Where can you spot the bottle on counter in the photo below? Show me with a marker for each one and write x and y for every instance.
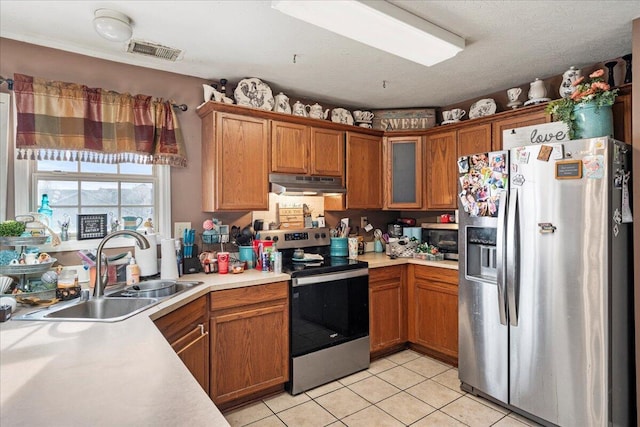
(44, 208)
(133, 272)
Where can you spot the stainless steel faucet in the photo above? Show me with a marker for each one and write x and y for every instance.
(98, 289)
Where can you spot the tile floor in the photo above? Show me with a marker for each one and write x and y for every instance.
(404, 389)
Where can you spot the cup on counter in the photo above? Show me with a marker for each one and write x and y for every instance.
(444, 218)
(353, 247)
(223, 262)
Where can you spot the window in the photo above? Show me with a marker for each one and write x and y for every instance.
(74, 187)
(126, 189)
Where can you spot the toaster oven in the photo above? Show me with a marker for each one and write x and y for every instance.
(444, 236)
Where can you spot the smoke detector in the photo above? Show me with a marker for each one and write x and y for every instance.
(151, 49)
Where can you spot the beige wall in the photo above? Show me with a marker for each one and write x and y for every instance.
(53, 64)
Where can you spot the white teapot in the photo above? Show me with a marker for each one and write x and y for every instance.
(299, 109)
(315, 111)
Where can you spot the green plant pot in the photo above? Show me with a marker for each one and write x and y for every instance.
(592, 121)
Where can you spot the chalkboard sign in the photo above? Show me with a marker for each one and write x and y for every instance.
(569, 169)
(93, 226)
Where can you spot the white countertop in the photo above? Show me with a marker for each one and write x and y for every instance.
(122, 373)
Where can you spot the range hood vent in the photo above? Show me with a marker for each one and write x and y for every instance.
(157, 51)
(303, 185)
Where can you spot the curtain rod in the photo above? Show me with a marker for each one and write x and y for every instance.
(182, 107)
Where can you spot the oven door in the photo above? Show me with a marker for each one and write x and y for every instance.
(328, 310)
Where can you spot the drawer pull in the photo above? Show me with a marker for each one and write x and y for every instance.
(201, 334)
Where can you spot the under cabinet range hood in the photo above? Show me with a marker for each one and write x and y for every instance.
(303, 185)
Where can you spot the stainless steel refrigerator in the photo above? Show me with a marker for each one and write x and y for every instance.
(545, 290)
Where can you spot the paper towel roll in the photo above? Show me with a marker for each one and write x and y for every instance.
(168, 262)
(147, 259)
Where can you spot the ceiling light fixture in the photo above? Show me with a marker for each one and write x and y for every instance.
(378, 24)
(111, 25)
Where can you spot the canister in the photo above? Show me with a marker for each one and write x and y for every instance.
(339, 246)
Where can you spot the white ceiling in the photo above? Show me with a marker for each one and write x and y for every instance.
(508, 43)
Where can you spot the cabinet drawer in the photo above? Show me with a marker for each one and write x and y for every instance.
(238, 297)
(385, 274)
(436, 274)
(175, 324)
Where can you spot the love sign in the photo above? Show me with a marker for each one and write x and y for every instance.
(546, 133)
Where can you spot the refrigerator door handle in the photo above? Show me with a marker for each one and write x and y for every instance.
(500, 257)
(512, 257)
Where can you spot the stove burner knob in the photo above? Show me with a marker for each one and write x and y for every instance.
(268, 238)
(275, 238)
(324, 235)
(317, 236)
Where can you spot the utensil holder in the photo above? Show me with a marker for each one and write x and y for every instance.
(339, 246)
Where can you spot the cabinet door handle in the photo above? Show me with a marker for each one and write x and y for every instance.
(202, 334)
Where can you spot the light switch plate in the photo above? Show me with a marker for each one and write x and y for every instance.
(178, 229)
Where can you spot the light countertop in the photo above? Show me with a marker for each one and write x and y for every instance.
(122, 373)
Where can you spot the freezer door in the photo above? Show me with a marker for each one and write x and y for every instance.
(483, 363)
(558, 351)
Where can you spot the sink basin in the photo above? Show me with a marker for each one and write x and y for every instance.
(153, 289)
(94, 310)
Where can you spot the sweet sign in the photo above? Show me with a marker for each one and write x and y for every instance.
(404, 119)
(546, 133)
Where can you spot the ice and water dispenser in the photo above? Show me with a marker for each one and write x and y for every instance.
(481, 257)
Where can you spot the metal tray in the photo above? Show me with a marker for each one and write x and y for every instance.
(27, 268)
(23, 241)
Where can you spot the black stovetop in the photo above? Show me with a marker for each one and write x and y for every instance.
(328, 265)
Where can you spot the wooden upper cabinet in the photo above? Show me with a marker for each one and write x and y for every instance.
(229, 143)
(364, 171)
(403, 172)
(442, 170)
(474, 139)
(327, 152)
(306, 150)
(535, 117)
(622, 117)
(289, 148)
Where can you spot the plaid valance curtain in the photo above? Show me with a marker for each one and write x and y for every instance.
(67, 121)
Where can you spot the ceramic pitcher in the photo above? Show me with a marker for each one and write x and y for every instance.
(537, 89)
(282, 104)
(132, 222)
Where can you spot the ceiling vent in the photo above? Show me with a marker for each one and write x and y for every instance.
(155, 50)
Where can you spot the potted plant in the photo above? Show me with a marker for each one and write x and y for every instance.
(587, 112)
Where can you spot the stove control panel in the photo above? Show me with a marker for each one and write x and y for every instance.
(304, 238)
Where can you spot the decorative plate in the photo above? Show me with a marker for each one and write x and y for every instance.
(254, 93)
(481, 108)
(340, 115)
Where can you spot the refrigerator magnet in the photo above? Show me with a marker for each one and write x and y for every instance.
(463, 164)
(558, 152)
(545, 153)
(568, 169)
(522, 155)
(593, 166)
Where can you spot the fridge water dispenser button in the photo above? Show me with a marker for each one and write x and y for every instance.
(546, 227)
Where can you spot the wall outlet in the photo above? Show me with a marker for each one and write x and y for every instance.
(363, 222)
(178, 229)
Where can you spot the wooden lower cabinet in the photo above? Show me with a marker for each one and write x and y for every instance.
(387, 309)
(433, 311)
(187, 331)
(249, 343)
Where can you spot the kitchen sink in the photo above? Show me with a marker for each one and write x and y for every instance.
(152, 289)
(93, 310)
(113, 307)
